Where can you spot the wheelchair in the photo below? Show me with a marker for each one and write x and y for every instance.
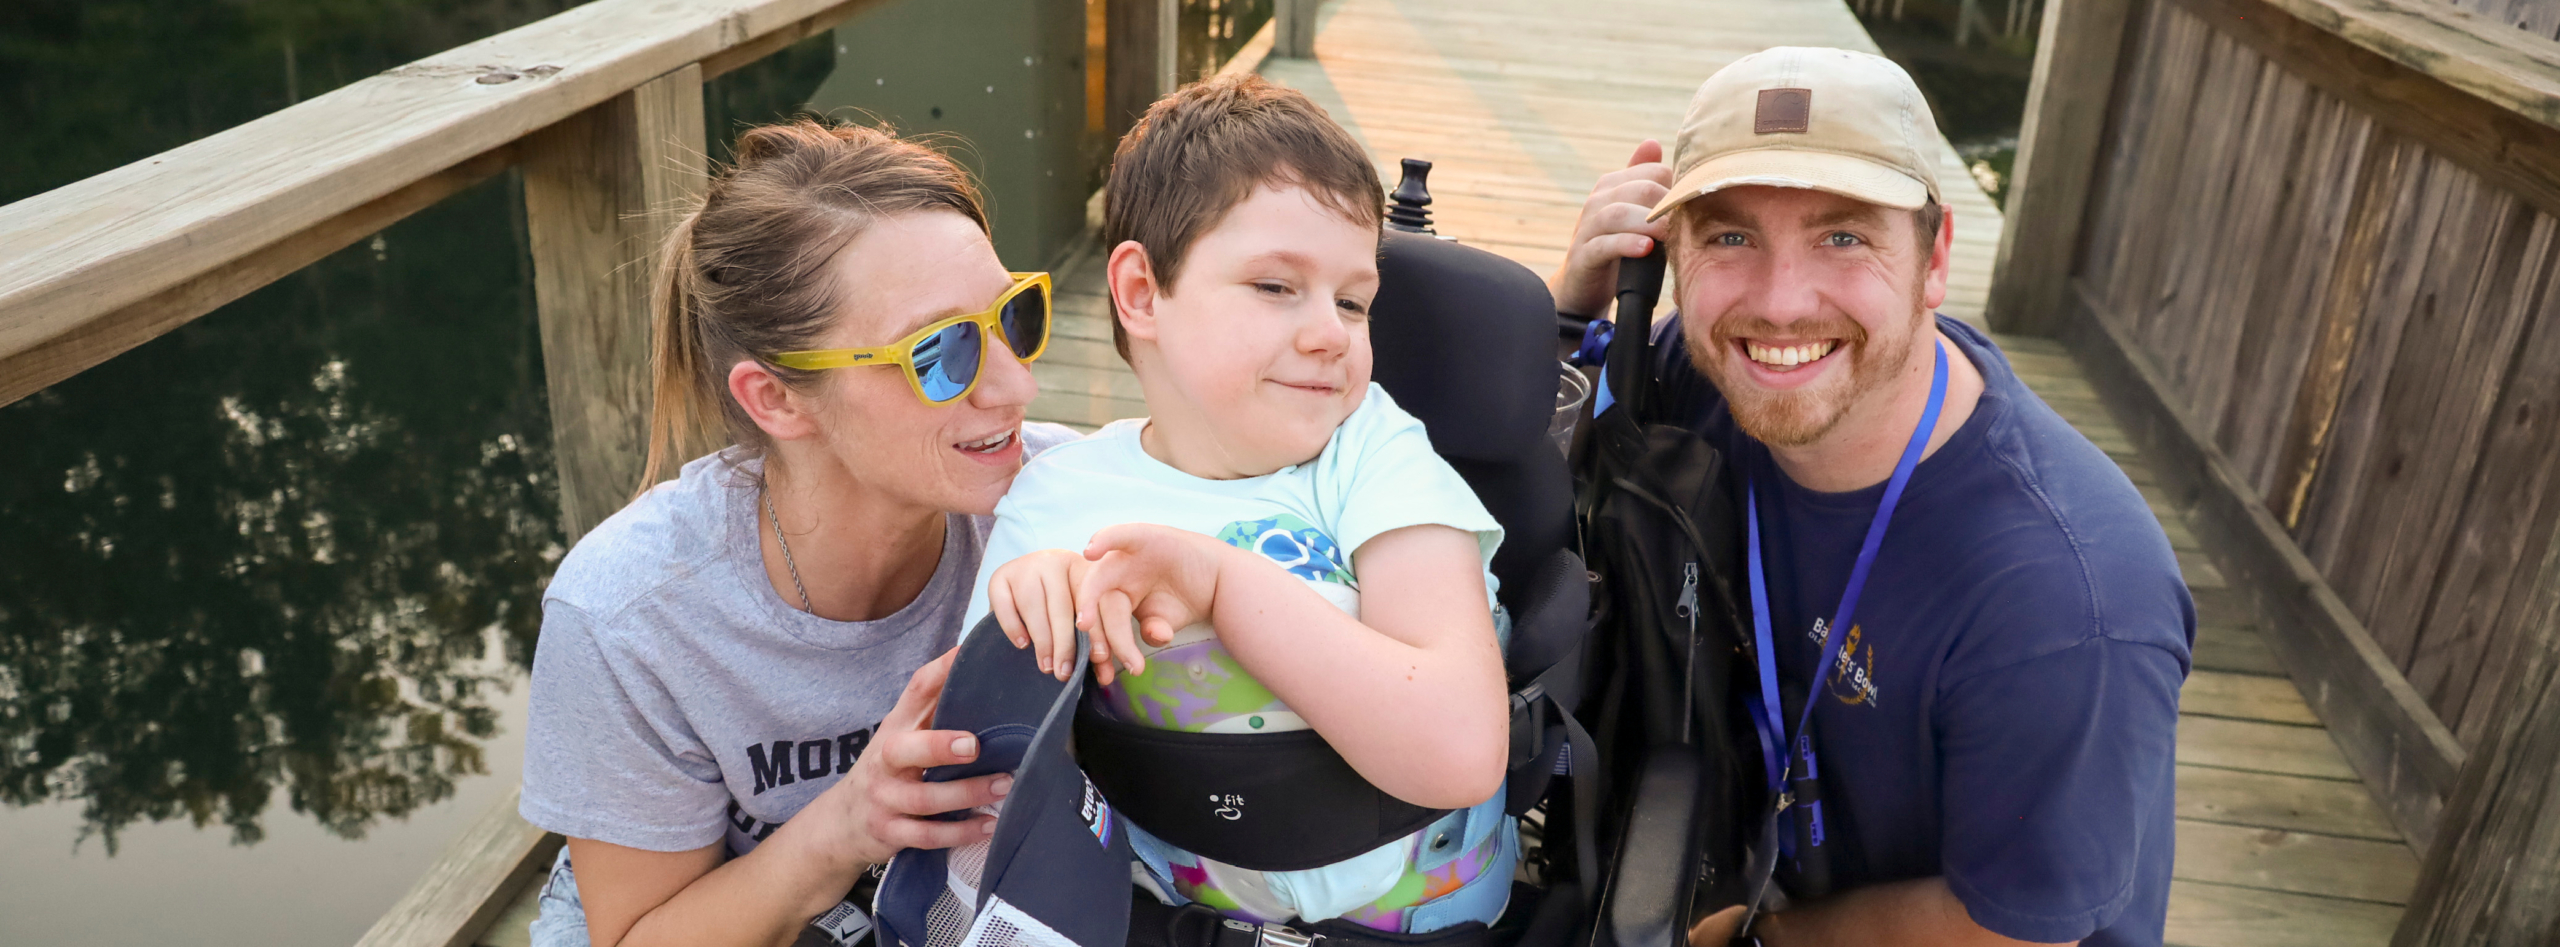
(1622, 773)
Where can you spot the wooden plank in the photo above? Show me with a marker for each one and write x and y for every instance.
(470, 884)
(2394, 740)
(2337, 807)
(2212, 915)
(2244, 697)
(2481, 601)
(600, 191)
(2298, 862)
(2237, 649)
(2260, 747)
(514, 926)
(2494, 107)
(1293, 33)
(2508, 69)
(2494, 875)
(77, 253)
(1138, 59)
(114, 332)
(2436, 416)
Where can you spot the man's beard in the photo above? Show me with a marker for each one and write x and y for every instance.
(1803, 416)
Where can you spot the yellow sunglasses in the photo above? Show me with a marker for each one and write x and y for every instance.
(945, 360)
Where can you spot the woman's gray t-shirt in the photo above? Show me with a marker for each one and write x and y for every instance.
(678, 700)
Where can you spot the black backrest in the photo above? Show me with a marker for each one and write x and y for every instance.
(1466, 341)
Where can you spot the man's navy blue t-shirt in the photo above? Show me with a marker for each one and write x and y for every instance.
(2005, 710)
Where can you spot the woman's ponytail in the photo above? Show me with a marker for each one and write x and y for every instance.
(680, 409)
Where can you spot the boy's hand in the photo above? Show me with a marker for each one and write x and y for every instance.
(1033, 599)
(1145, 579)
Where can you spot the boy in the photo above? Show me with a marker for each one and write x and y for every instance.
(1277, 496)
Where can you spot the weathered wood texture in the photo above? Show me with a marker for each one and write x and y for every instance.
(2385, 729)
(2075, 74)
(601, 190)
(2278, 842)
(478, 877)
(2493, 876)
(1138, 59)
(2326, 233)
(2538, 17)
(151, 245)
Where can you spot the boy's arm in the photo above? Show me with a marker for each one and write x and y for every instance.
(1411, 693)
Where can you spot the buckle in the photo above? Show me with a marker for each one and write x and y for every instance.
(1282, 935)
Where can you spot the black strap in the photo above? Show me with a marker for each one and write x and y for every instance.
(1153, 923)
(1263, 801)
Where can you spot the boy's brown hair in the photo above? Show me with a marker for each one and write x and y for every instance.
(1199, 152)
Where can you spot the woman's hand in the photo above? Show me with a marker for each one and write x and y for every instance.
(884, 805)
(1034, 600)
(1144, 579)
(637, 898)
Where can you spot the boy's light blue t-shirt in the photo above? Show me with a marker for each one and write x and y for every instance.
(1376, 474)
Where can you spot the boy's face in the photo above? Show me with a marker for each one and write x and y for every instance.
(1265, 338)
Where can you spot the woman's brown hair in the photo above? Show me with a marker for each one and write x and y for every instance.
(746, 275)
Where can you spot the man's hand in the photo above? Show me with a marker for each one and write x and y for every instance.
(1612, 228)
(1034, 600)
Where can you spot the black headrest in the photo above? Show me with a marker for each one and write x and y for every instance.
(1465, 341)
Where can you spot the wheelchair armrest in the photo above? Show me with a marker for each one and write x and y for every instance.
(1657, 870)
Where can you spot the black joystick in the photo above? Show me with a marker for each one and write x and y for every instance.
(1409, 206)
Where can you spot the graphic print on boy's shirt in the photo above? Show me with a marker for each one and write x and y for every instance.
(1193, 683)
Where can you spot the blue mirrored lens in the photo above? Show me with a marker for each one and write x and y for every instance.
(1026, 321)
(947, 361)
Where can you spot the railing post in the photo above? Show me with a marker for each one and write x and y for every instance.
(1293, 28)
(1138, 58)
(600, 193)
(2493, 874)
(2057, 155)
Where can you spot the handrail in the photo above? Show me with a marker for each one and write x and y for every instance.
(2505, 66)
(137, 251)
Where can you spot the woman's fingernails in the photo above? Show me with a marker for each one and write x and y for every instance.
(990, 826)
(965, 748)
(1001, 785)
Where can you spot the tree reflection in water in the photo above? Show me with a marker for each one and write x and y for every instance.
(273, 550)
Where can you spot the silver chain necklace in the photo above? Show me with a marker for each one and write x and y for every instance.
(786, 552)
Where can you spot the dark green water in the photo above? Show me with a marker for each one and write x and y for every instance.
(269, 584)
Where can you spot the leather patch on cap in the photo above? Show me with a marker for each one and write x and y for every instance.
(1783, 110)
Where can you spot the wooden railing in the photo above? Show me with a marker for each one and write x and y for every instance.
(2311, 248)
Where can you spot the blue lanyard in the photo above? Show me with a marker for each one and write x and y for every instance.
(1768, 714)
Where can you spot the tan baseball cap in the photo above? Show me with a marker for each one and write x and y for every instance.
(1832, 120)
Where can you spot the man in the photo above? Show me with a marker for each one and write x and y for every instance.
(1995, 736)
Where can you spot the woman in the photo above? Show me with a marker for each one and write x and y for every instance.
(734, 669)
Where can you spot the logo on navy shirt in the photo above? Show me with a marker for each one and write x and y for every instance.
(1853, 678)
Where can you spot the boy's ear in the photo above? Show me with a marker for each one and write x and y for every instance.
(1132, 278)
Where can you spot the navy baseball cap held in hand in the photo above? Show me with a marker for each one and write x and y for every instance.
(1056, 872)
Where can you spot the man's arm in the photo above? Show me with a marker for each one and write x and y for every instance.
(1918, 913)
